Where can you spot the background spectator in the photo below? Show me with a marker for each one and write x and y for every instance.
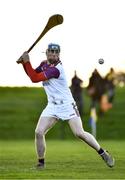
(77, 92)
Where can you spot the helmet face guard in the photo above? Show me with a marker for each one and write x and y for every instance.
(53, 53)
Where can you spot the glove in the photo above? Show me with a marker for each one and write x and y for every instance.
(24, 58)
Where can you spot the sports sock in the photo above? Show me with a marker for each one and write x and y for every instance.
(101, 151)
(41, 161)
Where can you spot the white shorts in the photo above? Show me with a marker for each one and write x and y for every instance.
(63, 111)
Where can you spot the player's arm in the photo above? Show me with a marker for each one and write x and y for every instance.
(51, 72)
(35, 76)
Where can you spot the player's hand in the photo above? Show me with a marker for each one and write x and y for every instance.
(24, 58)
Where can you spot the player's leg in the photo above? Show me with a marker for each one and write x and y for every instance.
(77, 128)
(44, 124)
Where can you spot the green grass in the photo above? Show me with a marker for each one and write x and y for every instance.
(19, 111)
(64, 160)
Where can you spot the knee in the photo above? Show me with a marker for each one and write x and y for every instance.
(79, 134)
(39, 132)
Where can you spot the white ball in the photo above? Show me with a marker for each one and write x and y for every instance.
(101, 61)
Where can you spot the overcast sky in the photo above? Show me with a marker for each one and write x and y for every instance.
(92, 29)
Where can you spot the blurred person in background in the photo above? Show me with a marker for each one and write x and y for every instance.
(110, 86)
(96, 89)
(77, 92)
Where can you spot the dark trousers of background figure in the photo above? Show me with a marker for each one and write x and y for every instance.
(95, 102)
(79, 102)
(111, 94)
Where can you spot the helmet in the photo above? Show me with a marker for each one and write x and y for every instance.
(53, 46)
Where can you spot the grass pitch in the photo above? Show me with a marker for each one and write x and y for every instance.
(64, 160)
